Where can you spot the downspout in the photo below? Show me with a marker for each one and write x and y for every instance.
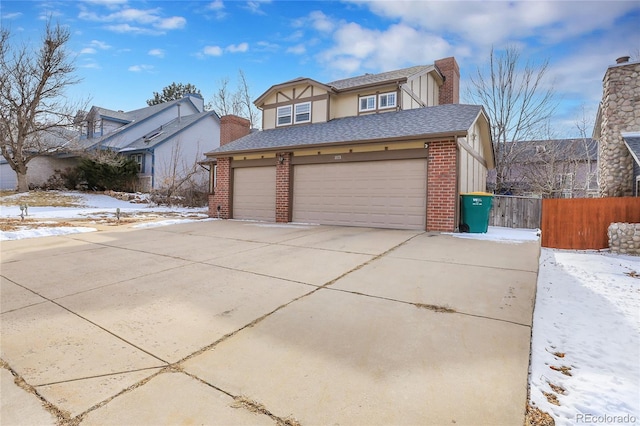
(153, 167)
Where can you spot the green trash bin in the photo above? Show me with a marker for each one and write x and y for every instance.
(475, 211)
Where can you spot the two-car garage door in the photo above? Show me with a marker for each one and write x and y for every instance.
(381, 194)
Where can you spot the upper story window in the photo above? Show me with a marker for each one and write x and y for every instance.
(294, 114)
(387, 100)
(303, 113)
(284, 115)
(367, 103)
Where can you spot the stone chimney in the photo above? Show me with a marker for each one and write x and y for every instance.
(233, 127)
(450, 90)
(619, 112)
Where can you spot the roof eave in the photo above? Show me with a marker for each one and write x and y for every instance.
(428, 137)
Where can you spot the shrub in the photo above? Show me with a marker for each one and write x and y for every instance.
(109, 171)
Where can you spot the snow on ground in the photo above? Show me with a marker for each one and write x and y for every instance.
(90, 206)
(506, 235)
(587, 318)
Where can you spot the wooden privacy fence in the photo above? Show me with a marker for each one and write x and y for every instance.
(582, 223)
(515, 212)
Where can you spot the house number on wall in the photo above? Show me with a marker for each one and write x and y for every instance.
(337, 157)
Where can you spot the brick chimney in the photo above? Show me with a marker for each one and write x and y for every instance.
(233, 127)
(450, 90)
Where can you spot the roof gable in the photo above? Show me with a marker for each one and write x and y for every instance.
(295, 82)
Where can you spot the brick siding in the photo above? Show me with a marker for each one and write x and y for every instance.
(284, 188)
(450, 90)
(442, 194)
(222, 192)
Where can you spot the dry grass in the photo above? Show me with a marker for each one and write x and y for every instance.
(435, 308)
(563, 369)
(537, 417)
(17, 224)
(39, 199)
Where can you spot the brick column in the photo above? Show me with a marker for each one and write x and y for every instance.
(442, 193)
(284, 189)
(222, 192)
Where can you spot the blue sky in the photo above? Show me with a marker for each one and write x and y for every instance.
(125, 49)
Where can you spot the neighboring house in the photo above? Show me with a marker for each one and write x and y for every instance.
(167, 140)
(390, 150)
(59, 142)
(632, 142)
(558, 168)
(618, 114)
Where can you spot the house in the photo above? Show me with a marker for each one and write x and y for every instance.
(556, 168)
(632, 142)
(166, 140)
(59, 142)
(389, 150)
(618, 115)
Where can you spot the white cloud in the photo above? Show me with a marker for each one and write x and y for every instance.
(136, 21)
(88, 51)
(240, 48)
(255, 6)
(173, 23)
(140, 68)
(400, 45)
(159, 53)
(212, 51)
(216, 5)
(12, 15)
(496, 22)
(99, 44)
(321, 22)
(298, 49)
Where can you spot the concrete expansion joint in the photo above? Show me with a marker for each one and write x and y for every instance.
(61, 416)
(245, 403)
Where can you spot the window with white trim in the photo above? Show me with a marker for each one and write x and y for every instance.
(284, 115)
(303, 113)
(367, 103)
(387, 100)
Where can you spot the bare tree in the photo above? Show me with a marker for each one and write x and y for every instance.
(239, 102)
(518, 101)
(34, 113)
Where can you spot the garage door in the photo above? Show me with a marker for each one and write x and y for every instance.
(254, 193)
(382, 194)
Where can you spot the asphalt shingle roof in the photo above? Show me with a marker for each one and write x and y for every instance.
(633, 142)
(168, 130)
(442, 119)
(367, 79)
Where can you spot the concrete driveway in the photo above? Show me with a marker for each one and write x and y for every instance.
(227, 322)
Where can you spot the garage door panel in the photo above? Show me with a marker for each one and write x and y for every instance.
(389, 194)
(254, 193)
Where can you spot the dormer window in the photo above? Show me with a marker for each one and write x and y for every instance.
(303, 113)
(284, 115)
(367, 103)
(294, 114)
(387, 100)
